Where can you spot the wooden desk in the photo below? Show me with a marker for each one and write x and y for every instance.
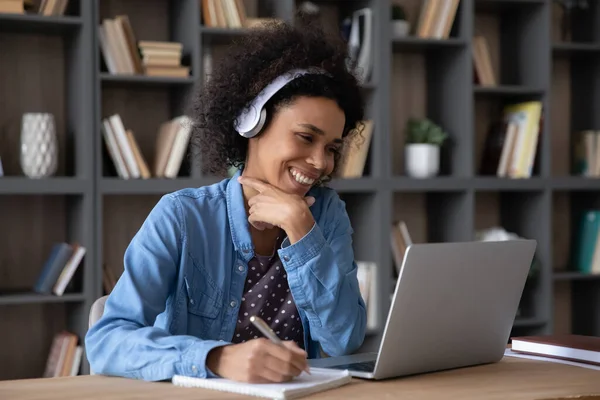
(512, 378)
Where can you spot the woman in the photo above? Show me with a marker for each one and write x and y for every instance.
(272, 241)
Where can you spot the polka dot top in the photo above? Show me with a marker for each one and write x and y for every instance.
(267, 294)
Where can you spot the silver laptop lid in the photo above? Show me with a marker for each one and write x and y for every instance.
(454, 305)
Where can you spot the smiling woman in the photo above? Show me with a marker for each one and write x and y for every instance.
(270, 242)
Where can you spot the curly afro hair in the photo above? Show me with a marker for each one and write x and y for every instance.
(254, 61)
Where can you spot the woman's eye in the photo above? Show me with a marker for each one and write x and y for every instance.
(307, 138)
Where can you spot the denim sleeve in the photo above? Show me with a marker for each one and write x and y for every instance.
(322, 277)
(124, 341)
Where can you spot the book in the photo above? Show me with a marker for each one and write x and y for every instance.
(579, 348)
(320, 379)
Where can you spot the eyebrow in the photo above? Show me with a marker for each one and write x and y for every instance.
(318, 131)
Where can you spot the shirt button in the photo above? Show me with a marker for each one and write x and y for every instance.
(195, 369)
(192, 301)
(233, 303)
(241, 268)
(286, 258)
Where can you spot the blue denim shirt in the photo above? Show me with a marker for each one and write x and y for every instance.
(184, 274)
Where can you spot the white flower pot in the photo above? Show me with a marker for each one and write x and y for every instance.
(400, 28)
(39, 147)
(422, 160)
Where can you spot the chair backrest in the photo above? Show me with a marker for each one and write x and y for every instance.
(97, 310)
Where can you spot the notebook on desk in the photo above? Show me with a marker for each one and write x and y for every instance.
(319, 380)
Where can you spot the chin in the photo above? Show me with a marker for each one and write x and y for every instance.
(296, 182)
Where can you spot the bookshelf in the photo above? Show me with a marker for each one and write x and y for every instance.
(45, 67)
(55, 63)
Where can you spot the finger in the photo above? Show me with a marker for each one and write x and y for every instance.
(289, 356)
(256, 184)
(284, 370)
(309, 200)
(261, 198)
(291, 345)
(273, 374)
(258, 222)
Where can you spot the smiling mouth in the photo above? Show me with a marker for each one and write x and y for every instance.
(301, 178)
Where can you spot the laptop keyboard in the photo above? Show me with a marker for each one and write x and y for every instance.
(366, 366)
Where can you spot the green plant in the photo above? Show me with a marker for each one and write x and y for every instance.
(398, 12)
(423, 130)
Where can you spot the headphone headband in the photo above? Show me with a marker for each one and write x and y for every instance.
(252, 118)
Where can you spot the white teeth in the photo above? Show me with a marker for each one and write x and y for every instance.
(305, 180)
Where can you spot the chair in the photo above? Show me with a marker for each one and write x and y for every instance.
(97, 310)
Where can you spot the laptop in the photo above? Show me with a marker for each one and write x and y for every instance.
(453, 306)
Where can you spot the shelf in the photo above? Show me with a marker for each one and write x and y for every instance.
(151, 186)
(23, 185)
(575, 276)
(411, 43)
(33, 23)
(508, 184)
(436, 184)
(144, 80)
(35, 298)
(508, 90)
(575, 183)
(571, 48)
(355, 185)
(221, 36)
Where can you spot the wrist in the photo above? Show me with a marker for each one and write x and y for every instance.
(214, 359)
(299, 227)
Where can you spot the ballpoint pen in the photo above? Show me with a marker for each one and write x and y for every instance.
(269, 334)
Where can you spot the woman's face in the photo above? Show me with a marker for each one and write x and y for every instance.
(298, 146)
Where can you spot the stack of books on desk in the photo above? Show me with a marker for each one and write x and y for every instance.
(162, 59)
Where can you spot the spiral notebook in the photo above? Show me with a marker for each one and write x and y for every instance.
(319, 380)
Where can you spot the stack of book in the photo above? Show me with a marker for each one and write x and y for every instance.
(228, 14)
(484, 73)
(436, 18)
(171, 146)
(52, 7)
(59, 268)
(64, 358)
(162, 59)
(118, 45)
(12, 6)
(512, 143)
(355, 152)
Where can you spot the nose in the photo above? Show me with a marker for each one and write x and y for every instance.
(318, 159)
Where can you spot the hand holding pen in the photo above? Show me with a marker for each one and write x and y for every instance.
(269, 334)
(263, 360)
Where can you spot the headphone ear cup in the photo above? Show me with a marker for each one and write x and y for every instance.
(261, 123)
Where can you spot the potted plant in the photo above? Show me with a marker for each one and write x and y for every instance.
(400, 26)
(422, 150)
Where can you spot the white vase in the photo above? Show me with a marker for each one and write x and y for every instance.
(422, 160)
(39, 147)
(400, 28)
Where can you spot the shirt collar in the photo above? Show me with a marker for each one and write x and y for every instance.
(238, 220)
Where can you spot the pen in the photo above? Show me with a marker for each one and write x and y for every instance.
(265, 330)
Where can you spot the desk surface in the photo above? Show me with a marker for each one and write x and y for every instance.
(512, 378)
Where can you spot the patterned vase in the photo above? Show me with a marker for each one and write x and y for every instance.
(39, 148)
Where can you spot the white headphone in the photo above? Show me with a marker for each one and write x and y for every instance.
(252, 118)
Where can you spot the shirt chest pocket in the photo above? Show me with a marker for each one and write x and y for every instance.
(204, 301)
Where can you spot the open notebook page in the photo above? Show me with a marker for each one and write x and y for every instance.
(320, 379)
